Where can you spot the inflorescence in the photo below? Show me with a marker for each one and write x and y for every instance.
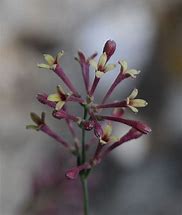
(93, 119)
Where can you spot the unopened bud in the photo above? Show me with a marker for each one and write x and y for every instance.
(88, 125)
(109, 48)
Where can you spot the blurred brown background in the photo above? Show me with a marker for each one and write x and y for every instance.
(142, 177)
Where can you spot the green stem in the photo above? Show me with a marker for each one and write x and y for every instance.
(83, 137)
(83, 175)
(85, 194)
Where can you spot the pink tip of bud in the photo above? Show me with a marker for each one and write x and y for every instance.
(88, 125)
(59, 114)
(109, 48)
(135, 133)
(73, 173)
(143, 127)
(98, 130)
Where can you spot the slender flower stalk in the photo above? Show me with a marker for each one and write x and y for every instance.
(145, 129)
(83, 175)
(131, 135)
(61, 114)
(112, 105)
(51, 100)
(52, 134)
(131, 102)
(59, 71)
(94, 85)
(84, 63)
(102, 67)
(93, 120)
(42, 98)
(73, 132)
(53, 64)
(101, 153)
(123, 74)
(42, 126)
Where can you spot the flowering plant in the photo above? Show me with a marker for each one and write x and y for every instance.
(92, 119)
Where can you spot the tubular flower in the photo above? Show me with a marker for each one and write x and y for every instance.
(130, 102)
(101, 67)
(42, 126)
(128, 72)
(42, 98)
(51, 61)
(123, 74)
(107, 137)
(60, 97)
(84, 63)
(133, 103)
(38, 120)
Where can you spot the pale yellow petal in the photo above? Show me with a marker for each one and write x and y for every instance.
(60, 89)
(135, 110)
(59, 105)
(44, 66)
(132, 72)
(99, 74)
(139, 103)
(109, 67)
(102, 141)
(50, 60)
(107, 130)
(102, 59)
(113, 139)
(54, 97)
(59, 55)
(133, 94)
(124, 64)
(93, 63)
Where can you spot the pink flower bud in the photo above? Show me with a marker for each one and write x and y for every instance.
(88, 125)
(98, 131)
(74, 172)
(42, 98)
(109, 48)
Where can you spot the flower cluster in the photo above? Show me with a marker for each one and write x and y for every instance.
(93, 119)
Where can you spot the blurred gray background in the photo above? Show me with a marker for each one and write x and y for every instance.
(142, 177)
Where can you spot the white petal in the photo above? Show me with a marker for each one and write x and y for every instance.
(107, 130)
(49, 59)
(93, 63)
(44, 66)
(124, 64)
(99, 74)
(139, 103)
(102, 59)
(133, 94)
(109, 67)
(59, 105)
(113, 139)
(135, 110)
(59, 55)
(60, 89)
(132, 72)
(54, 97)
